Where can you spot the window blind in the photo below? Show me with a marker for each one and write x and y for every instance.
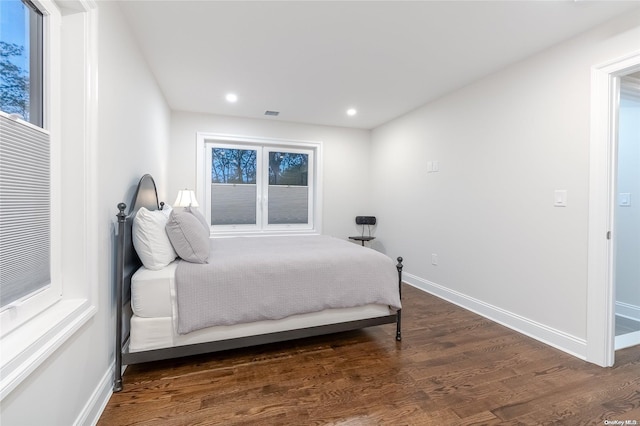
(288, 204)
(25, 210)
(233, 204)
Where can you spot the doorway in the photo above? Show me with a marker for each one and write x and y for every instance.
(627, 215)
(601, 304)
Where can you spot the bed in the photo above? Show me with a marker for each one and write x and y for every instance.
(167, 312)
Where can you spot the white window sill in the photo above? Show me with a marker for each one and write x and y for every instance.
(28, 346)
(269, 233)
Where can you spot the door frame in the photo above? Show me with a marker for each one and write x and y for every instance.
(605, 98)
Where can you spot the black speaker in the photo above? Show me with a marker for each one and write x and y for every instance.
(365, 220)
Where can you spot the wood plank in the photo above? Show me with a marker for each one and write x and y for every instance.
(452, 367)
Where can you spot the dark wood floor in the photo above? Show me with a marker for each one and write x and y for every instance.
(452, 368)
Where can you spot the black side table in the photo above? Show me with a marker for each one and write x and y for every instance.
(362, 239)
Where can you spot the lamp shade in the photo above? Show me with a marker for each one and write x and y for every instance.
(186, 198)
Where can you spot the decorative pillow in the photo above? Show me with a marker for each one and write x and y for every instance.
(150, 239)
(199, 216)
(188, 237)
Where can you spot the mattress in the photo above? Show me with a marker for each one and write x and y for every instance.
(157, 333)
(153, 325)
(151, 291)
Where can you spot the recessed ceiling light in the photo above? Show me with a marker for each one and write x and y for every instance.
(351, 111)
(231, 97)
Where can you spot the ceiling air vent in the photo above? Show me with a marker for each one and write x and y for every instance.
(272, 113)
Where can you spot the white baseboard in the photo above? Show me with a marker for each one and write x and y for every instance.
(98, 401)
(548, 335)
(627, 340)
(628, 311)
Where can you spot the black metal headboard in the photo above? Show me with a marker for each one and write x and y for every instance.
(128, 262)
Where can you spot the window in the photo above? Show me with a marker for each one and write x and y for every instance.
(253, 185)
(35, 325)
(233, 186)
(288, 187)
(21, 56)
(25, 172)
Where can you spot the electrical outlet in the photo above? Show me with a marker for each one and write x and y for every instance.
(434, 259)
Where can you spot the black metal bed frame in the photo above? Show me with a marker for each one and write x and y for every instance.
(127, 262)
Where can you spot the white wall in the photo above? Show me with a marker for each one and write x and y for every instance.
(346, 170)
(503, 144)
(628, 218)
(133, 135)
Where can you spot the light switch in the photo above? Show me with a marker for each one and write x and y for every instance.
(624, 199)
(560, 198)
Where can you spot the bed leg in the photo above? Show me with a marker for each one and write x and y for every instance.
(117, 379)
(399, 267)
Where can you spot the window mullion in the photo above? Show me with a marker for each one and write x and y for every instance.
(36, 65)
(207, 186)
(262, 193)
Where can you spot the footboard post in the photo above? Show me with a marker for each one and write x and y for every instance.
(399, 267)
(117, 381)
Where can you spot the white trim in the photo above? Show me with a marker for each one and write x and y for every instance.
(24, 350)
(90, 181)
(628, 310)
(605, 81)
(98, 400)
(19, 312)
(558, 339)
(627, 340)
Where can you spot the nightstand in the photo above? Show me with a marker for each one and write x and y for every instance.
(362, 239)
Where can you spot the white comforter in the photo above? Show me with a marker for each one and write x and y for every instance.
(262, 278)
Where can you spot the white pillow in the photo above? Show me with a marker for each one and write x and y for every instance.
(150, 238)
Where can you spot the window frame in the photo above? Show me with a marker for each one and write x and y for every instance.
(310, 185)
(37, 71)
(17, 313)
(33, 342)
(206, 141)
(243, 228)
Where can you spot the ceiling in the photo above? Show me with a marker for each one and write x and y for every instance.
(311, 61)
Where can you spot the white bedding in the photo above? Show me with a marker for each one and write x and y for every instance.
(269, 278)
(151, 291)
(153, 325)
(157, 333)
